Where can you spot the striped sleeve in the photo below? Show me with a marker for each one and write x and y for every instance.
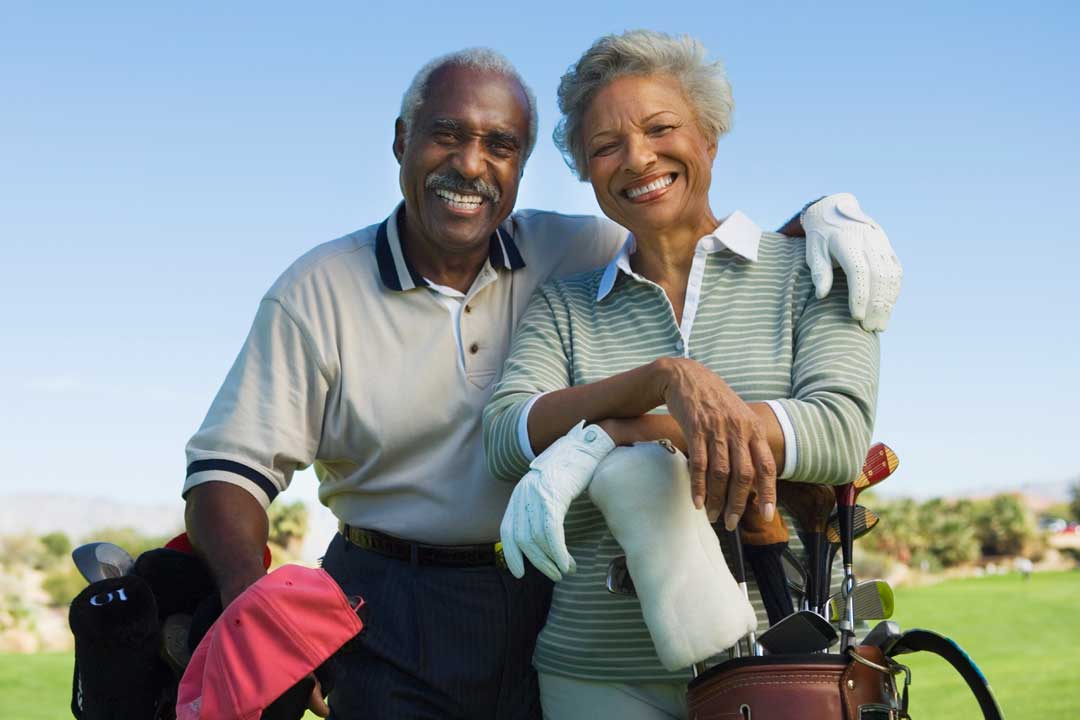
(538, 362)
(266, 420)
(834, 389)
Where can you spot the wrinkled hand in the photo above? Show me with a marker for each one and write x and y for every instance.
(727, 447)
(533, 522)
(839, 232)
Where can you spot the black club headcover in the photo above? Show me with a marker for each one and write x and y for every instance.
(179, 580)
(118, 670)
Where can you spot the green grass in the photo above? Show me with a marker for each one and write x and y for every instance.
(1024, 635)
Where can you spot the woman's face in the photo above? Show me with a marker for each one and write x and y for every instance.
(649, 162)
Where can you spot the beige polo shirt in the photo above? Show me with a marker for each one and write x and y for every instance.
(358, 365)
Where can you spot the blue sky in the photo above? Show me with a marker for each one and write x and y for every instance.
(161, 164)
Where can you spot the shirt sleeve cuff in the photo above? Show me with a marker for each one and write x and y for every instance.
(523, 427)
(791, 448)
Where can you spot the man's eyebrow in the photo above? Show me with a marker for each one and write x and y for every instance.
(445, 124)
(504, 138)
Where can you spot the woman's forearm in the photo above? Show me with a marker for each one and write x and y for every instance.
(625, 395)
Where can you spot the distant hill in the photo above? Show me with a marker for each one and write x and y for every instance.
(79, 516)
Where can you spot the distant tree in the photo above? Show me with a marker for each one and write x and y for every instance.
(1003, 525)
(948, 532)
(57, 546)
(899, 533)
(1074, 499)
(288, 525)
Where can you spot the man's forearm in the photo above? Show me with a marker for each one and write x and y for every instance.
(228, 529)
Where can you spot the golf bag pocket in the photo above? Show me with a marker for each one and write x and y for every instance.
(118, 670)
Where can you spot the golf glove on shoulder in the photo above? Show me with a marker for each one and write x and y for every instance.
(839, 233)
(533, 522)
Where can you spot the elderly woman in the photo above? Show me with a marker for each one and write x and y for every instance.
(714, 320)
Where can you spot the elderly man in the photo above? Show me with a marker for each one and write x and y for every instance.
(372, 357)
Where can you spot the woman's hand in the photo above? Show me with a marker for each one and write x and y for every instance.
(726, 443)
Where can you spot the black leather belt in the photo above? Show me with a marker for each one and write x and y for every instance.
(420, 554)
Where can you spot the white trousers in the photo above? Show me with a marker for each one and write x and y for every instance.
(567, 698)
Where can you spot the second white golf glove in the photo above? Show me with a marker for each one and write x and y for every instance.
(533, 523)
(839, 232)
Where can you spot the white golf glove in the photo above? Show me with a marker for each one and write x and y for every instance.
(692, 605)
(533, 523)
(839, 232)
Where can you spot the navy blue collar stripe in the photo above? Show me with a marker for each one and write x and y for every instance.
(502, 253)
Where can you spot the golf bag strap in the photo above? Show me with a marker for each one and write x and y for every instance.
(929, 641)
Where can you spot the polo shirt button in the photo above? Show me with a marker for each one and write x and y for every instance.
(590, 436)
(468, 308)
(679, 345)
(474, 348)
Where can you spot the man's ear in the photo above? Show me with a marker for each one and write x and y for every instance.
(399, 139)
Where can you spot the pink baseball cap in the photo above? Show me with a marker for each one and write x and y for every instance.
(271, 636)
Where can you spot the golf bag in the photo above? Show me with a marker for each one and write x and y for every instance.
(135, 634)
(861, 685)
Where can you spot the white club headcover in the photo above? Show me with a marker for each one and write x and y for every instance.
(839, 232)
(692, 605)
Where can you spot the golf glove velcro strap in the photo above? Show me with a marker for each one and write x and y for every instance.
(690, 601)
(839, 232)
(533, 523)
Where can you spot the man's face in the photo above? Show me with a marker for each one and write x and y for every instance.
(461, 161)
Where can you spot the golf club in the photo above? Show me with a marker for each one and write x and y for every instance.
(739, 571)
(801, 632)
(865, 520)
(884, 636)
(880, 464)
(811, 506)
(618, 580)
(873, 600)
(100, 560)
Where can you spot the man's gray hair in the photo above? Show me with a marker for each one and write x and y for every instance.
(641, 52)
(477, 58)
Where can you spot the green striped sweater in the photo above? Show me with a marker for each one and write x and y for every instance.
(759, 326)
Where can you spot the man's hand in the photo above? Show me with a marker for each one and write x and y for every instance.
(838, 231)
(727, 446)
(317, 703)
(533, 523)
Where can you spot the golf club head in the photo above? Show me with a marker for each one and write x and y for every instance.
(873, 600)
(618, 580)
(863, 521)
(880, 463)
(100, 560)
(801, 632)
(810, 505)
(884, 636)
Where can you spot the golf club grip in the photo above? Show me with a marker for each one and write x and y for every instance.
(737, 560)
(846, 516)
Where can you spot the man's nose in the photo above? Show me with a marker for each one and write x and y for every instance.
(469, 159)
(640, 156)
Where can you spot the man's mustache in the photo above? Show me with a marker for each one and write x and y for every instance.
(452, 181)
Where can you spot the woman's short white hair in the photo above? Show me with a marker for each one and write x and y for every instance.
(477, 58)
(641, 52)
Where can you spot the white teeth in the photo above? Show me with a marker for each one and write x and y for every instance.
(654, 185)
(460, 202)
